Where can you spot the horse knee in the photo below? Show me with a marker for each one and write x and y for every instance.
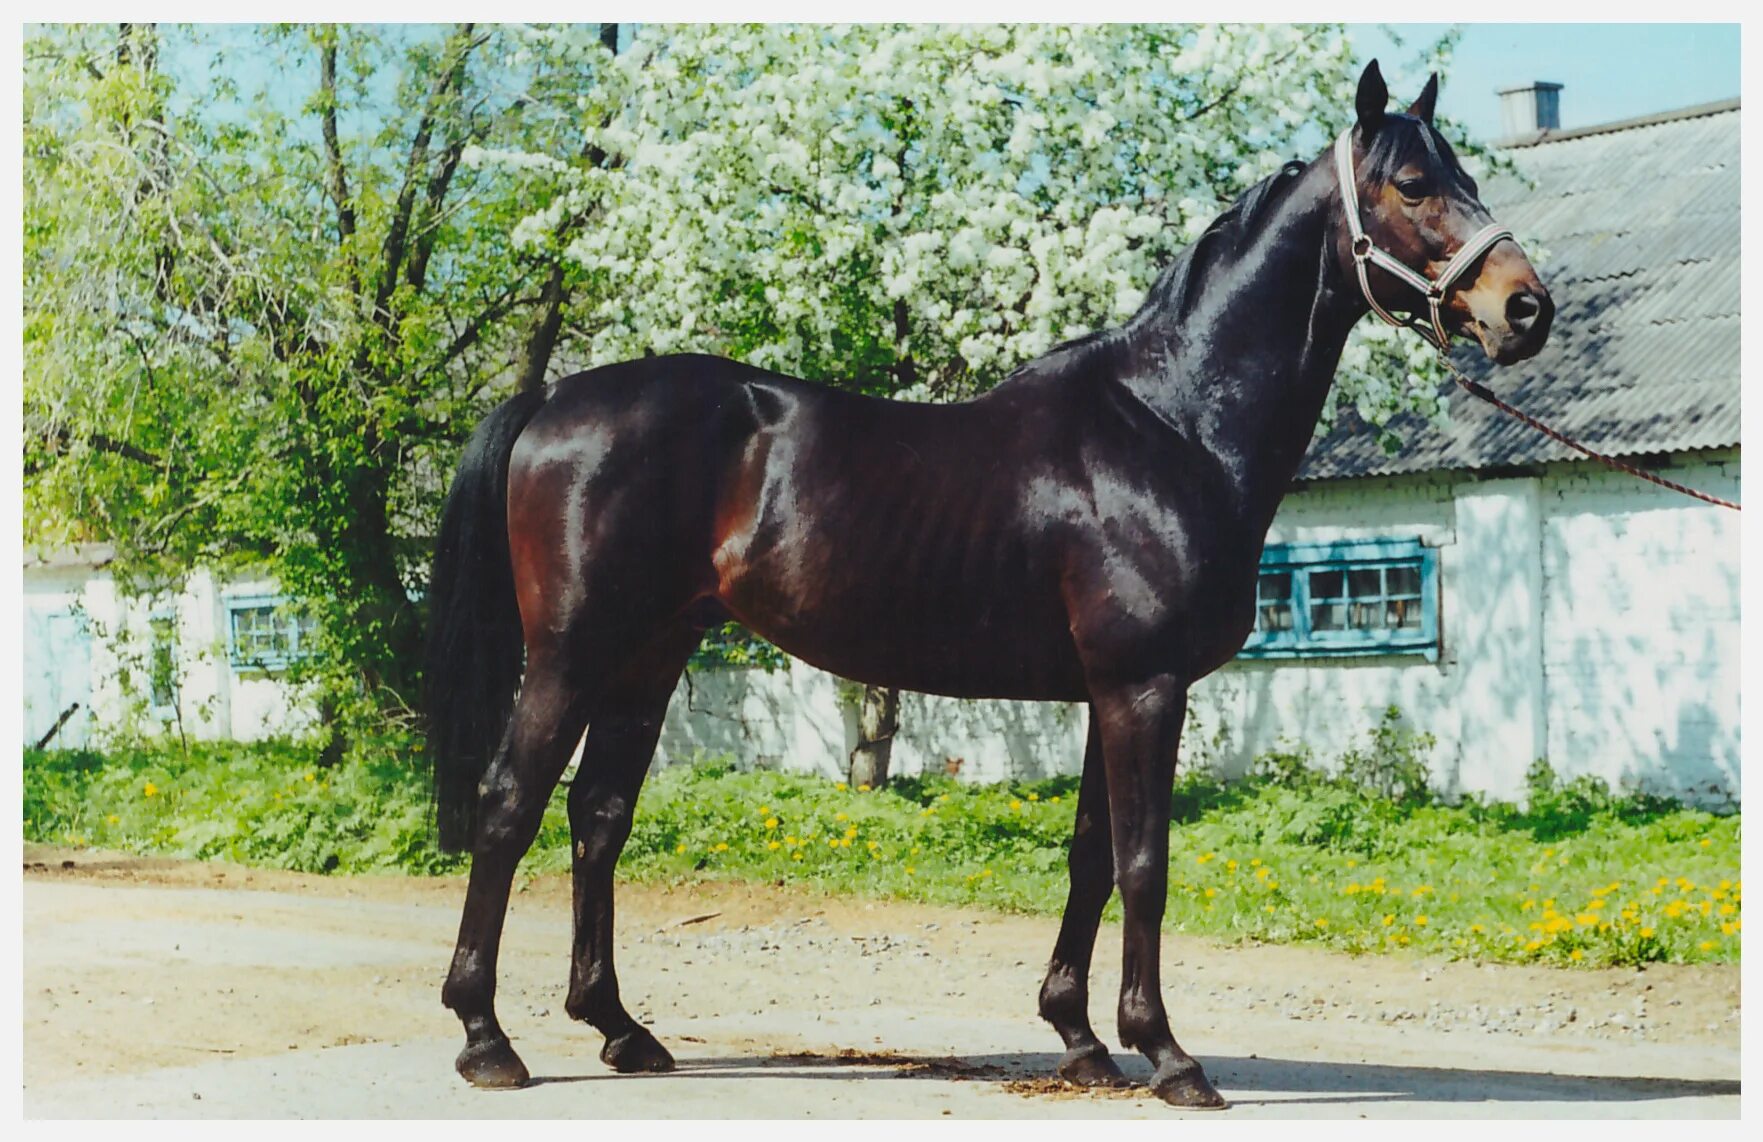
(1064, 997)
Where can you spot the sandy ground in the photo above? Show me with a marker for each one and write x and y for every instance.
(166, 989)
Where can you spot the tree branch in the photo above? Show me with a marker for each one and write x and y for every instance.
(333, 153)
(392, 256)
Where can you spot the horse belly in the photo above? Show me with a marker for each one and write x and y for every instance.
(961, 618)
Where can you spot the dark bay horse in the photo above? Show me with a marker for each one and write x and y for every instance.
(1089, 531)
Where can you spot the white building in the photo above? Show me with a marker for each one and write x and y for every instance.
(1508, 596)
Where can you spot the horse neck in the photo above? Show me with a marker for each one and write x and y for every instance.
(1244, 371)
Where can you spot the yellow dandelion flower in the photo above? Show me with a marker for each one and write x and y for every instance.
(773, 845)
(765, 810)
(1263, 872)
(771, 822)
(680, 848)
(1576, 955)
(838, 816)
(910, 870)
(914, 850)
(844, 842)
(1706, 841)
(1389, 918)
(311, 777)
(1727, 910)
(790, 840)
(1646, 933)
(985, 872)
(149, 789)
(797, 855)
(1477, 929)
(1015, 805)
(864, 788)
(840, 786)
(1267, 908)
(112, 819)
(1204, 857)
(1352, 864)
(1706, 945)
(1402, 939)
(1053, 800)
(1322, 921)
(1034, 796)
(1211, 892)
(832, 842)
(1420, 921)
(720, 847)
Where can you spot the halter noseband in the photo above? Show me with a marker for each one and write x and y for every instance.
(1364, 251)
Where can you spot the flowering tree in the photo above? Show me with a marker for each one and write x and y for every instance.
(916, 211)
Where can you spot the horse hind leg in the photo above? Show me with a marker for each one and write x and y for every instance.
(1065, 995)
(621, 741)
(547, 721)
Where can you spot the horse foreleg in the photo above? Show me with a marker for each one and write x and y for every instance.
(546, 724)
(1141, 729)
(1065, 994)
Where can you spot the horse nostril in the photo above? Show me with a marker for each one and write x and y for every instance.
(1522, 310)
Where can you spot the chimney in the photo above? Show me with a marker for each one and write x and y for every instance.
(1534, 107)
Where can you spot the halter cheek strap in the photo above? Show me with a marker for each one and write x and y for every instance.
(1365, 252)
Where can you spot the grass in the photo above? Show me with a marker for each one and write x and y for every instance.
(1362, 860)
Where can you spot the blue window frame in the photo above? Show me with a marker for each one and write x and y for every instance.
(264, 634)
(1362, 596)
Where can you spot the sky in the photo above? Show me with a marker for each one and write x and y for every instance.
(1609, 71)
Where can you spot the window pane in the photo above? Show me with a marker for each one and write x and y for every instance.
(1365, 582)
(1328, 616)
(1325, 584)
(1404, 580)
(1276, 585)
(1404, 613)
(1273, 617)
(1366, 615)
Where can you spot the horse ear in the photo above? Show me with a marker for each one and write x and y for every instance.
(1374, 94)
(1422, 108)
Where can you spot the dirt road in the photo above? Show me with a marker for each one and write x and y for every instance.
(161, 989)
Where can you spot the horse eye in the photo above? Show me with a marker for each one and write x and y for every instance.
(1413, 189)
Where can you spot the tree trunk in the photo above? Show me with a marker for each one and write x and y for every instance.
(877, 719)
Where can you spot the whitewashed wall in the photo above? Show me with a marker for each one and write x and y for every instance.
(213, 700)
(1641, 613)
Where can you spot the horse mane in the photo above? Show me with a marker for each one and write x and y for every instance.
(1172, 290)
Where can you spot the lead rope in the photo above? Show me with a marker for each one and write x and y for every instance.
(1479, 391)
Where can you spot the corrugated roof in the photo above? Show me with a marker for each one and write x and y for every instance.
(1640, 224)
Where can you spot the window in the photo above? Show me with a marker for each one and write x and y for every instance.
(1368, 596)
(263, 634)
(162, 663)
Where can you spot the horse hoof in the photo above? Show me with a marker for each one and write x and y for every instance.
(1091, 1066)
(1188, 1088)
(636, 1051)
(492, 1065)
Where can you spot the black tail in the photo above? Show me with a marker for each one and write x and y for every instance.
(472, 663)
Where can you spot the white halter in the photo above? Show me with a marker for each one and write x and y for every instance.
(1364, 251)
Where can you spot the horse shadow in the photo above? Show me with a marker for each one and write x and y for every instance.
(1247, 1081)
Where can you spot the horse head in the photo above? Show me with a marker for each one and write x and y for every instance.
(1419, 240)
